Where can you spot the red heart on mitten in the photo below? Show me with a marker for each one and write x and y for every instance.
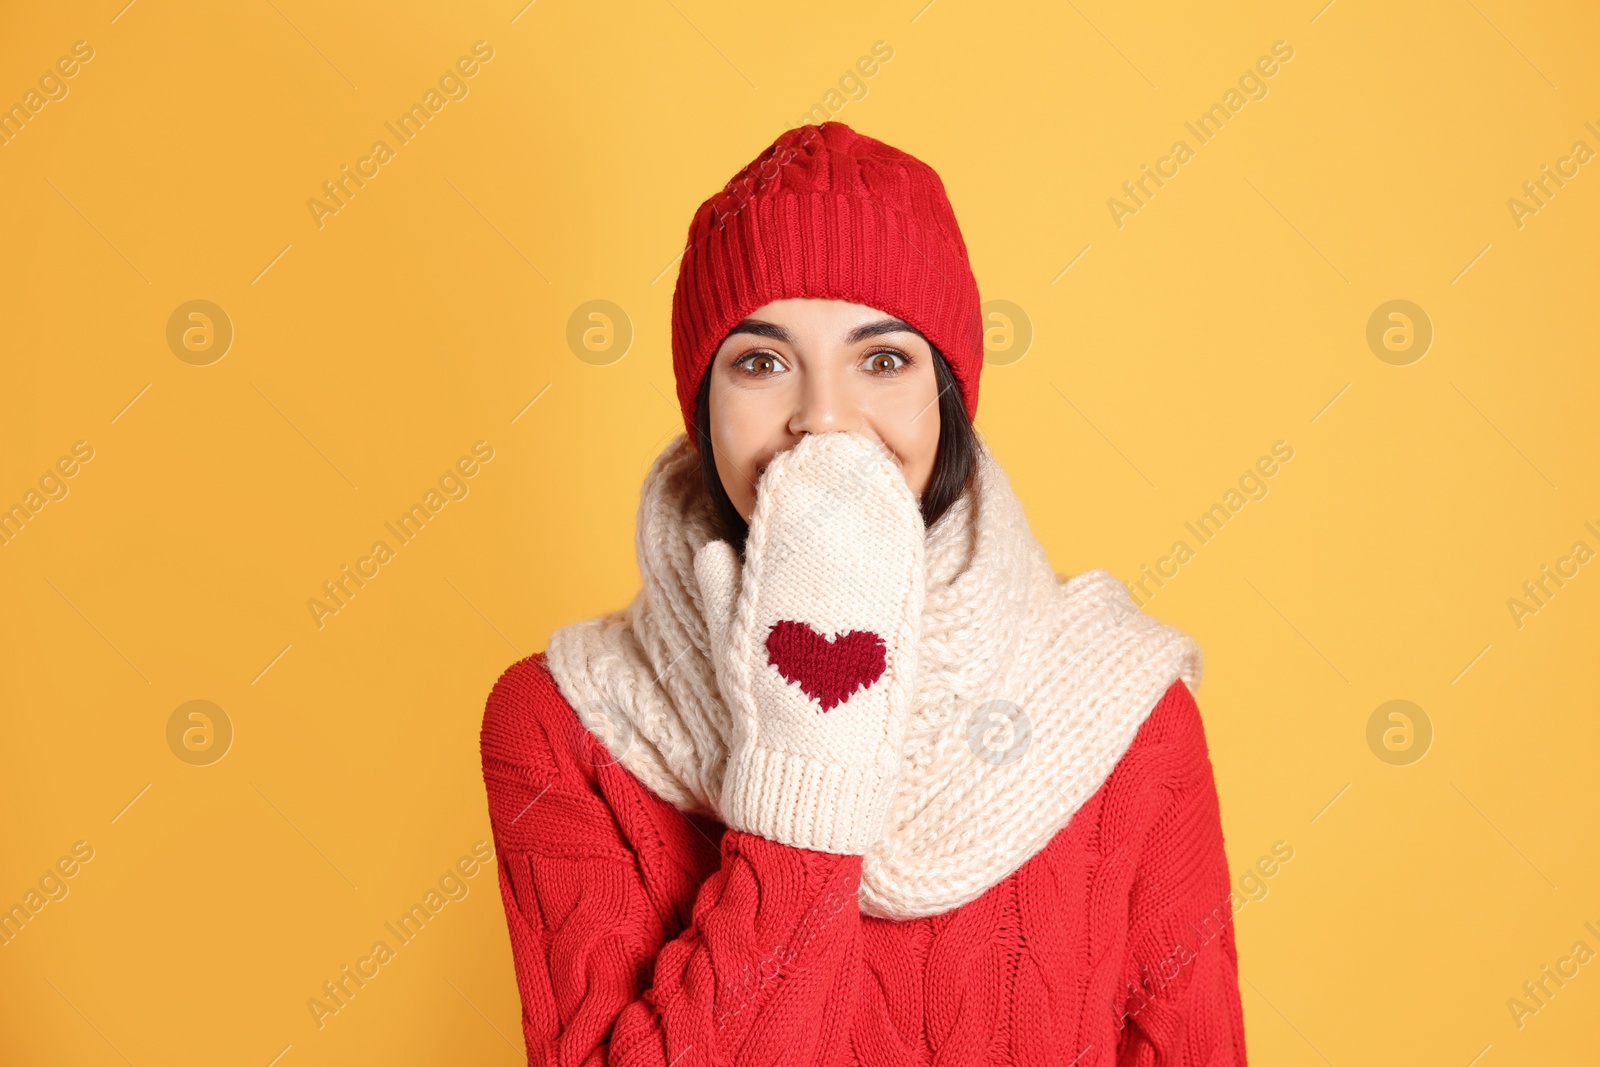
(827, 669)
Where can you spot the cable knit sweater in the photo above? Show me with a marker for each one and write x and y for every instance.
(645, 936)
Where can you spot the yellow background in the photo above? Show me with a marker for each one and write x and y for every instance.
(369, 354)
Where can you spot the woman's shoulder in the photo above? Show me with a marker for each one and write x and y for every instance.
(1164, 774)
(527, 723)
(554, 788)
(1169, 750)
(1175, 719)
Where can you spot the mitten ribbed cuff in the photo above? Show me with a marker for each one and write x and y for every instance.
(805, 802)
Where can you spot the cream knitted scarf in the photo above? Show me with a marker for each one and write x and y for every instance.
(1029, 687)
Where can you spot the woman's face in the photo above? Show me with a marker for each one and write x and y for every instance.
(804, 365)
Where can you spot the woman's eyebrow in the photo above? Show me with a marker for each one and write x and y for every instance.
(875, 329)
(860, 333)
(761, 329)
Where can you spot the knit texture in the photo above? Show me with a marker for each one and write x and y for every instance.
(829, 213)
(1029, 688)
(642, 936)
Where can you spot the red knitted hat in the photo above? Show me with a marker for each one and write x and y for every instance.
(826, 212)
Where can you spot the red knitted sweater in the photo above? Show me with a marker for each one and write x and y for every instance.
(643, 936)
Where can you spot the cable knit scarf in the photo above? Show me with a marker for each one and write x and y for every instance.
(1029, 687)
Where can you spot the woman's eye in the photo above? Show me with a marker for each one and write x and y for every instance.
(886, 362)
(759, 363)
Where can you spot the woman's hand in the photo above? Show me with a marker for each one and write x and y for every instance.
(814, 641)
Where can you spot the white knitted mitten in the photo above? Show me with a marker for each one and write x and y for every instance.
(814, 642)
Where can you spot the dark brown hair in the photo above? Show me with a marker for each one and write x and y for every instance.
(953, 464)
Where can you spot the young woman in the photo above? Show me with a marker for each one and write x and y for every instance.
(856, 778)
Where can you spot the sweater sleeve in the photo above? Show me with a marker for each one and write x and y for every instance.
(1181, 980)
(764, 966)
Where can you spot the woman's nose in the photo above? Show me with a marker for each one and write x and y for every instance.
(823, 405)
